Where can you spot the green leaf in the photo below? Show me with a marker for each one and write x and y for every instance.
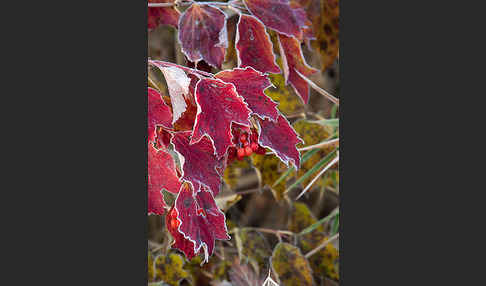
(335, 226)
(328, 122)
(334, 111)
(319, 222)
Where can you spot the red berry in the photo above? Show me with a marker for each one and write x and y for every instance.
(254, 146)
(240, 153)
(243, 138)
(248, 151)
(174, 223)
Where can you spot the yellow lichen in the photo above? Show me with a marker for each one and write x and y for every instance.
(168, 268)
(291, 266)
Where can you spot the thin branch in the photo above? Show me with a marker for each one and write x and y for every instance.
(215, 3)
(186, 3)
(250, 191)
(228, 242)
(247, 192)
(161, 5)
(334, 161)
(156, 246)
(318, 89)
(315, 250)
(277, 232)
(207, 274)
(318, 145)
(190, 70)
(319, 117)
(218, 255)
(321, 145)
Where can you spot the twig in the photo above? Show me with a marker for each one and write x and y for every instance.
(315, 250)
(157, 246)
(319, 117)
(277, 232)
(207, 274)
(218, 255)
(222, 251)
(321, 145)
(251, 191)
(161, 5)
(318, 176)
(152, 82)
(318, 145)
(319, 90)
(190, 70)
(228, 242)
(186, 3)
(228, 249)
(296, 115)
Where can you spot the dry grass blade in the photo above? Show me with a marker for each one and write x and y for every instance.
(160, 5)
(314, 169)
(319, 222)
(315, 250)
(277, 232)
(318, 89)
(305, 157)
(334, 161)
(321, 145)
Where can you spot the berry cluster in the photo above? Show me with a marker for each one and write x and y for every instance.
(246, 143)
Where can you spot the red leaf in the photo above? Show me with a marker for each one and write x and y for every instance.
(218, 105)
(203, 35)
(214, 216)
(281, 138)
(253, 45)
(293, 60)
(200, 219)
(158, 113)
(162, 138)
(313, 12)
(199, 165)
(162, 174)
(250, 84)
(162, 15)
(181, 243)
(277, 15)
